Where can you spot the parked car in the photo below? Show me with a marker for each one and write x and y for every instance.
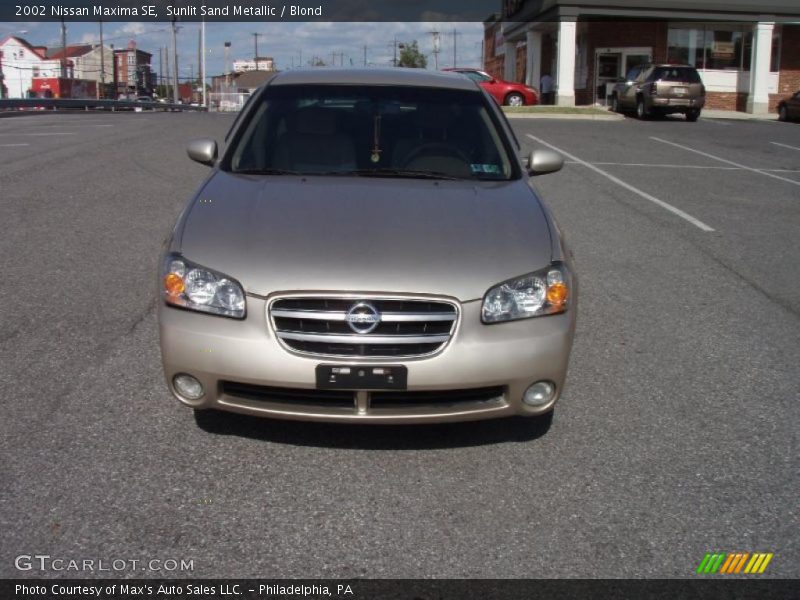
(368, 248)
(789, 108)
(659, 90)
(505, 92)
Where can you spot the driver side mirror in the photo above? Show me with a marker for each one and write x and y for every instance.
(541, 162)
(203, 151)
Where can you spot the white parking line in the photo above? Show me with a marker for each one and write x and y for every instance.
(725, 160)
(615, 164)
(627, 186)
(785, 146)
(11, 133)
(667, 166)
(12, 145)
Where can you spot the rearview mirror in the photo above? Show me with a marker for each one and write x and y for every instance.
(203, 151)
(541, 162)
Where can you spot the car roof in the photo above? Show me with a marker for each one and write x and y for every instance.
(368, 76)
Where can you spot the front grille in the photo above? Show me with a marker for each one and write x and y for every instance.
(402, 398)
(288, 396)
(377, 402)
(399, 328)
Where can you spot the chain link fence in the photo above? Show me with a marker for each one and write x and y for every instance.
(226, 102)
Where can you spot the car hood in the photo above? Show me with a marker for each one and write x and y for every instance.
(417, 236)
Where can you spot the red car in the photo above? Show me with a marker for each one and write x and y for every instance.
(505, 92)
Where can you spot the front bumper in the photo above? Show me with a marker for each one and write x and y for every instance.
(230, 357)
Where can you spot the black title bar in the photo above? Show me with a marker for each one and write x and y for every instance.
(248, 10)
(398, 589)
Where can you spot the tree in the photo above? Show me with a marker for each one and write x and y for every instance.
(410, 56)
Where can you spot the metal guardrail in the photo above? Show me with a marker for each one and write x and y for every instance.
(88, 103)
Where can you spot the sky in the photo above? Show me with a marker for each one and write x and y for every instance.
(289, 44)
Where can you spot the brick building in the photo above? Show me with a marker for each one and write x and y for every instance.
(133, 75)
(747, 53)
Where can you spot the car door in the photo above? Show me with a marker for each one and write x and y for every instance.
(490, 84)
(629, 87)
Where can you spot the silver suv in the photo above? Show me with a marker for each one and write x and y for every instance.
(368, 248)
(659, 90)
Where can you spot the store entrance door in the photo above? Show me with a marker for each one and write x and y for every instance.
(611, 64)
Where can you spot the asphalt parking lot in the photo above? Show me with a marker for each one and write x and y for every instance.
(676, 436)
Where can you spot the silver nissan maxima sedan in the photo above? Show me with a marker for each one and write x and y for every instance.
(368, 248)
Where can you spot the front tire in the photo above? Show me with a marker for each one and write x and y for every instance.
(515, 99)
(641, 110)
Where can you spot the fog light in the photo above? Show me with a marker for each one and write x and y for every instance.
(539, 394)
(188, 387)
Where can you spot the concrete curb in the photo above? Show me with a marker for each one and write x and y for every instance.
(736, 116)
(569, 116)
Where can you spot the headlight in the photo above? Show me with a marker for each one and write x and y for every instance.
(544, 292)
(191, 286)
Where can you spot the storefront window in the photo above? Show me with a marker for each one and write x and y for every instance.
(775, 61)
(685, 46)
(723, 49)
(717, 47)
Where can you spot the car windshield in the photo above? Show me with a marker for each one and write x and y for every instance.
(380, 131)
(681, 74)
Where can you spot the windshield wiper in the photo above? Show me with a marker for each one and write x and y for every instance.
(266, 171)
(389, 172)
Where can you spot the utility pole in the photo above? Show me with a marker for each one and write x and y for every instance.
(436, 48)
(227, 64)
(160, 79)
(203, 62)
(175, 58)
(255, 39)
(166, 72)
(114, 72)
(455, 45)
(396, 45)
(102, 92)
(199, 53)
(63, 48)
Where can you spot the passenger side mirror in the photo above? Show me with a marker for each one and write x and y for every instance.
(541, 162)
(203, 151)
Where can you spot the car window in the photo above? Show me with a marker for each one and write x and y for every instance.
(370, 131)
(680, 74)
(239, 115)
(477, 76)
(633, 74)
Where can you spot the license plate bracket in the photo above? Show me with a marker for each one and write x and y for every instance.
(362, 377)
